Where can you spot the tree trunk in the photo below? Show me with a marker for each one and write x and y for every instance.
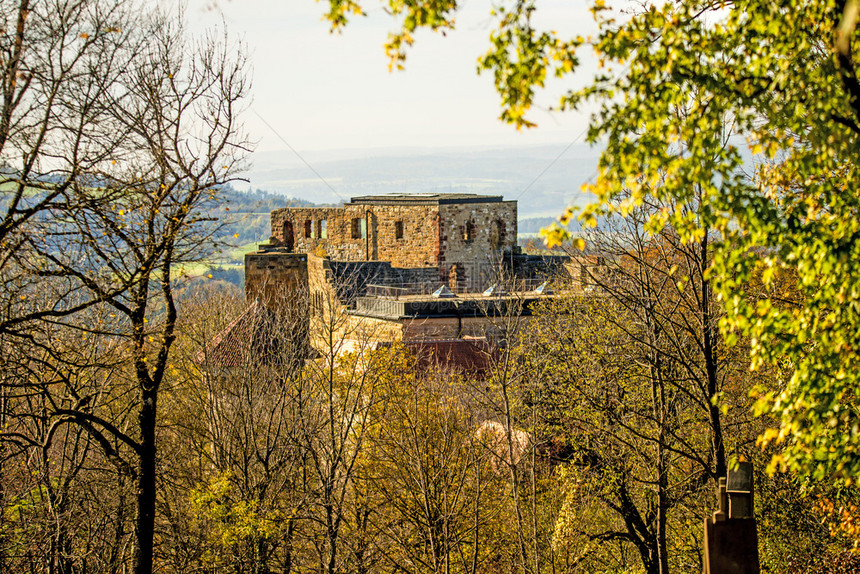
(476, 526)
(711, 369)
(288, 546)
(119, 530)
(3, 406)
(662, 508)
(658, 395)
(261, 557)
(61, 543)
(332, 533)
(144, 528)
(514, 471)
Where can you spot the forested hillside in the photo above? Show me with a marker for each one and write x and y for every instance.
(238, 222)
(245, 214)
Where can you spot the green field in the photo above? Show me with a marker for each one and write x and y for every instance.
(237, 254)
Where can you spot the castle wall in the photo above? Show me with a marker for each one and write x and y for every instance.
(276, 278)
(280, 282)
(326, 307)
(465, 240)
(415, 244)
(300, 229)
(438, 329)
(404, 235)
(473, 238)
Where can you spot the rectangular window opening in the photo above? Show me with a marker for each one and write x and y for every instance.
(322, 229)
(468, 231)
(309, 229)
(358, 228)
(398, 230)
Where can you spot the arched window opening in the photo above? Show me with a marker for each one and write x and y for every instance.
(497, 234)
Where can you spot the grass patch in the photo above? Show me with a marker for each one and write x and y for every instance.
(237, 254)
(203, 268)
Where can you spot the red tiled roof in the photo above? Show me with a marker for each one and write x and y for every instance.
(251, 338)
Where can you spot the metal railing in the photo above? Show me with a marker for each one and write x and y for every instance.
(400, 289)
(396, 290)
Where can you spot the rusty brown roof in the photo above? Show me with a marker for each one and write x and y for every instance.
(471, 356)
(251, 338)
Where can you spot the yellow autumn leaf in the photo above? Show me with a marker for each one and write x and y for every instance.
(554, 235)
(768, 436)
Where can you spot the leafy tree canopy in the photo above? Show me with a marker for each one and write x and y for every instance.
(687, 90)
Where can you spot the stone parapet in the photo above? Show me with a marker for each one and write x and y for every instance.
(276, 277)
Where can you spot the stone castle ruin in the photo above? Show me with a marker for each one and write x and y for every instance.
(410, 266)
(456, 236)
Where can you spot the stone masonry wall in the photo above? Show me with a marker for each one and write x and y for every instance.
(464, 240)
(473, 239)
(275, 277)
(280, 281)
(298, 229)
(419, 244)
(404, 235)
(470, 244)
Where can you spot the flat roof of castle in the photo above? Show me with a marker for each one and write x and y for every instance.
(423, 199)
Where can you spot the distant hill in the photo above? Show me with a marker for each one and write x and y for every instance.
(245, 214)
(238, 221)
(543, 182)
(533, 225)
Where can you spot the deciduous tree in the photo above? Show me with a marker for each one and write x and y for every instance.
(651, 386)
(116, 130)
(778, 190)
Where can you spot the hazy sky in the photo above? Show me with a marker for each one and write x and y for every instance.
(324, 92)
